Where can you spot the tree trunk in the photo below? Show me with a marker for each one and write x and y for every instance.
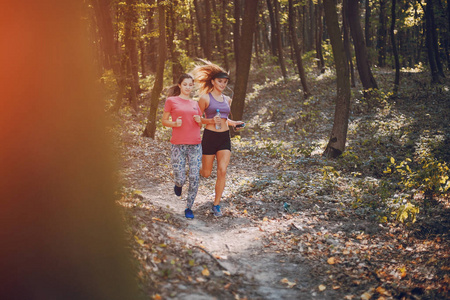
(338, 137)
(152, 41)
(273, 32)
(367, 27)
(297, 51)
(276, 4)
(177, 69)
(192, 31)
(150, 129)
(394, 48)
(381, 45)
(347, 44)
(102, 9)
(200, 26)
(223, 35)
(208, 25)
(362, 61)
(311, 42)
(435, 41)
(319, 34)
(112, 55)
(142, 55)
(237, 30)
(131, 52)
(245, 51)
(429, 43)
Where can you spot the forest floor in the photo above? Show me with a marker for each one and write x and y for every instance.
(297, 225)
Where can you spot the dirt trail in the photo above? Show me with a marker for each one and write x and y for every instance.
(237, 245)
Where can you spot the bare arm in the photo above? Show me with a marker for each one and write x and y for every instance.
(166, 122)
(229, 121)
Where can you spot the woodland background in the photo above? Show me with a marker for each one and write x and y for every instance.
(339, 183)
(375, 55)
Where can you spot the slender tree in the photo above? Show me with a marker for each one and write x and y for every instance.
(223, 34)
(362, 60)
(319, 35)
(237, 30)
(102, 9)
(208, 34)
(245, 51)
(131, 52)
(172, 18)
(150, 129)
(152, 42)
(432, 59)
(297, 51)
(279, 43)
(394, 48)
(435, 39)
(201, 26)
(347, 44)
(338, 137)
(273, 32)
(367, 27)
(381, 43)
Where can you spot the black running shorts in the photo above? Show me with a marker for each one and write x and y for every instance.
(215, 141)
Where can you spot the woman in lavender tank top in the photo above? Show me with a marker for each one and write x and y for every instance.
(216, 143)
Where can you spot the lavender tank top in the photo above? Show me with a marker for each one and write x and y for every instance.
(223, 107)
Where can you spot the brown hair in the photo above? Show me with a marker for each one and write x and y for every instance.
(174, 90)
(203, 75)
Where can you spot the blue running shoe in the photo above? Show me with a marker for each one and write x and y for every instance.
(177, 190)
(188, 213)
(216, 211)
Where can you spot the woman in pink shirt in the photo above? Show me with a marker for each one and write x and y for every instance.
(186, 141)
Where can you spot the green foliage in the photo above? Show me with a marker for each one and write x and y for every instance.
(147, 82)
(430, 176)
(330, 178)
(406, 213)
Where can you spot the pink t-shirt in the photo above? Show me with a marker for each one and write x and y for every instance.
(189, 132)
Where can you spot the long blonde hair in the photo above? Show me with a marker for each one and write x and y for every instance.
(203, 74)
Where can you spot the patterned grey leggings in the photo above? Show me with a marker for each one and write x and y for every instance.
(193, 154)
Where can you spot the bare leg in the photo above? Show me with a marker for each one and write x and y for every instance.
(223, 159)
(207, 165)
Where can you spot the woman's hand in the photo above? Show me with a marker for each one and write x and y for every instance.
(236, 123)
(217, 120)
(198, 119)
(178, 122)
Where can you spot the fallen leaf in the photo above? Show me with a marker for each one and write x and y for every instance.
(205, 272)
(322, 287)
(331, 261)
(382, 291)
(157, 297)
(336, 287)
(286, 281)
(367, 295)
(140, 242)
(265, 219)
